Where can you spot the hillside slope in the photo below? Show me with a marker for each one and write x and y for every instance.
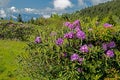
(108, 9)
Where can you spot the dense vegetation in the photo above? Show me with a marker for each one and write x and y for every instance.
(110, 10)
(63, 48)
(74, 52)
(14, 30)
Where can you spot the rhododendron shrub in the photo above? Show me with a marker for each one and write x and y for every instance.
(16, 31)
(73, 55)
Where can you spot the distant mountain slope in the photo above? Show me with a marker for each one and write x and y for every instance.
(102, 10)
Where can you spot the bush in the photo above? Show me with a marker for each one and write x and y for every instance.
(16, 31)
(76, 55)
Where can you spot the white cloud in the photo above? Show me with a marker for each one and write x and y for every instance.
(29, 10)
(46, 16)
(2, 13)
(13, 16)
(13, 9)
(62, 4)
(3, 3)
(95, 2)
(82, 3)
(34, 18)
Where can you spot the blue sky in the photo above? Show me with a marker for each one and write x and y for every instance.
(31, 3)
(44, 7)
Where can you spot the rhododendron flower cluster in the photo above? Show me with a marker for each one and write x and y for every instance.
(110, 53)
(107, 47)
(59, 41)
(107, 25)
(84, 49)
(38, 40)
(69, 35)
(76, 57)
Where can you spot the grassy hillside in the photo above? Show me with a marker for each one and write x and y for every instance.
(110, 9)
(103, 9)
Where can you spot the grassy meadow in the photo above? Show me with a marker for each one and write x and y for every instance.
(9, 51)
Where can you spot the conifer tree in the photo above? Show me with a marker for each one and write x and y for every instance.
(19, 18)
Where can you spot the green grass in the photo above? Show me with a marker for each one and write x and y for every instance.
(9, 50)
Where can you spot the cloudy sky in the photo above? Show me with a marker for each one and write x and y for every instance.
(44, 7)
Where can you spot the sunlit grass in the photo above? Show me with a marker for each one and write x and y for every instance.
(9, 50)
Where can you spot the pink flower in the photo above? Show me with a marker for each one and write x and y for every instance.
(71, 26)
(80, 35)
(111, 44)
(69, 35)
(84, 49)
(59, 41)
(107, 25)
(76, 23)
(74, 57)
(77, 28)
(67, 24)
(38, 40)
(80, 60)
(110, 53)
(105, 46)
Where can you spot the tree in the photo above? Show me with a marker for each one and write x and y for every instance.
(19, 18)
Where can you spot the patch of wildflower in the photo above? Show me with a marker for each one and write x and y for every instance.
(38, 40)
(80, 35)
(74, 57)
(107, 25)
(59, 41)
(69, 35)
(110, 53)
(84, 49)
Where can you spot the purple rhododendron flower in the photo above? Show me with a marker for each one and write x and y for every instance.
(77, 28)
(59, 41)
(38, 40)
(104, 46)
(74, 57)
(106, 25)
(110, 53)
(111, 44)
(84, 48)
(67, 24)
(76, 23)
(80, 35)
(71, 26)
(69, 35)
(80, 60)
